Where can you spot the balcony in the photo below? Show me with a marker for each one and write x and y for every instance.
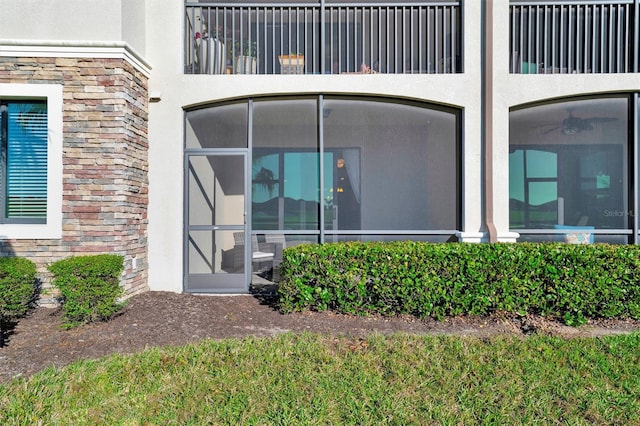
(323, 37)
(574, 37)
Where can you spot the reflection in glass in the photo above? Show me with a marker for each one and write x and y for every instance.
(285, 166)
(265, 176)
(224, 126)
(212, 252)
(568, 165)
(387, 165)
(216, 189)
(395, 165)
(23, 142)
(441, 238)
(533, 188)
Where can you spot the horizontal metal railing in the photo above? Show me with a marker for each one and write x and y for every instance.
(323, 37)
(574, 36)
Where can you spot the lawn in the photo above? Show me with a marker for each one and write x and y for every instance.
(318, 379)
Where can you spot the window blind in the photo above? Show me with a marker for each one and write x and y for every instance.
(25, 166)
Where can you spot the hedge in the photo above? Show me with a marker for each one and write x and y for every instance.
(566, 281)
(17, 287)
(89, 286)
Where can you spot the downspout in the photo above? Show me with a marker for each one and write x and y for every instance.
(636, 127)
(487, 116)
(636, 173)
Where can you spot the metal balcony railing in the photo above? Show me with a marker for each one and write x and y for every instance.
(574, 36)
(323, 37)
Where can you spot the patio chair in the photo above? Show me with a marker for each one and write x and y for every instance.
(280, 239)
(233, 259)
(279, 243)
(580, 233)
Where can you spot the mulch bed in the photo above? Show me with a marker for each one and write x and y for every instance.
(164, 319)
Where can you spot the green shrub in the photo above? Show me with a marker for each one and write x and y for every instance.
(89, 286)
(571, 282)
(17, 287)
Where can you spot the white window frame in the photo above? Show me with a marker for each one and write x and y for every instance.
(52, 93)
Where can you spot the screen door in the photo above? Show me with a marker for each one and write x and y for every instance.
(215, 253)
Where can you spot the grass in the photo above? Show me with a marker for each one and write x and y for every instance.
(313, 379)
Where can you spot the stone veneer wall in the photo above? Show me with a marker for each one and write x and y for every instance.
(105, 163)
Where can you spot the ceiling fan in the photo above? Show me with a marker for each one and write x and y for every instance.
(573, 125)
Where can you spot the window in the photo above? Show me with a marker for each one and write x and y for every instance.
(569, 166)
(285, 171)
(533, 185)
(30, 161)
(23, 170)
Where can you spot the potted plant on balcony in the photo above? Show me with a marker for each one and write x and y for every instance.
(292, 63)
(210, 51)
(246, 52)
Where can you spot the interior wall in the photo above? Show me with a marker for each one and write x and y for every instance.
(408, 162)
(202, 196)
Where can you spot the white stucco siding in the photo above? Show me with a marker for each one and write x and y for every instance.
(74, 20)
(178, 91)
(166, 174)
(463, 91)
(133, 20)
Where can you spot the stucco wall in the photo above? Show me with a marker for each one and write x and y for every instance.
(74, 20)
(165, 54)
(464, 91)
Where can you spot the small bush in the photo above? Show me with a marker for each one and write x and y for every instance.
(17, 287)
(570, 282)
(89, 286)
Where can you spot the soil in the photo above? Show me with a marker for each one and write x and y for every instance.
(164, 319)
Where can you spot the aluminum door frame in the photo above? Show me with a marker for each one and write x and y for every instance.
(231, 283)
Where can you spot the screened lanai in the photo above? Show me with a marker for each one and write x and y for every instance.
(313, 169)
